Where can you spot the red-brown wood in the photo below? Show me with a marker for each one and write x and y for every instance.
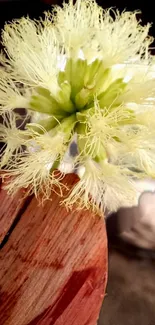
(53, 266)
(10, 207)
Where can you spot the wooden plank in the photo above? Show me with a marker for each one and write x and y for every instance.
(10, 209)
(53, 267)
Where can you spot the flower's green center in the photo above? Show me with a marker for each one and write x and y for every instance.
(79, 85)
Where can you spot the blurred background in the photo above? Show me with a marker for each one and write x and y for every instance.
(130, 297)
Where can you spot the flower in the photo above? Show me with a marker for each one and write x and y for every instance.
(83, 74)
(103, 186)
(12, 137)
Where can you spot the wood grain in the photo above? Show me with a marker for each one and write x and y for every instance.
(10, 209)
(53, 265)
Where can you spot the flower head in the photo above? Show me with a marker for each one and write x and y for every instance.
(86, 74)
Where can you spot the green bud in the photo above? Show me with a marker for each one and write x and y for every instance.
(78, 70)
(101, 78)
(84, 115)
(47, 124)
(94, 80)
(43, 102)
(91, 73)
(110, 96)
(66, 125)
(63, 98)
(83, 97)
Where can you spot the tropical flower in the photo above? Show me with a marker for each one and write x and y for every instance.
(83, 74)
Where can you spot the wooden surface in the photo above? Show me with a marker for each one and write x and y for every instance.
(53, 263)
